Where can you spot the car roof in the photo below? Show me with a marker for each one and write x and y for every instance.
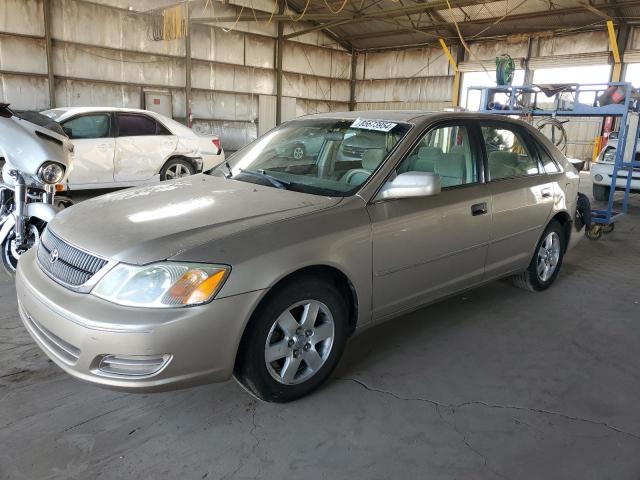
(76, 110)
(413, 116)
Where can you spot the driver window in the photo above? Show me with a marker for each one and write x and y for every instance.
(446, 151)
(87, 126)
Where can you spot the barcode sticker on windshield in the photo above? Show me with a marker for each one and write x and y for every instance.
(377, 125)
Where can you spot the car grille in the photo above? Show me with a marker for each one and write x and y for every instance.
(72, 266)
(62, 349)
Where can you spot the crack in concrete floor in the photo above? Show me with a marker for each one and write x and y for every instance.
(455, 406)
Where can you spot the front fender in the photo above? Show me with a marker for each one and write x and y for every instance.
(42, 211)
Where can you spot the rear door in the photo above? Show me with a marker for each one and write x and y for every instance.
(425, 248)
(522, 196)
(94, 149)
(142, 147)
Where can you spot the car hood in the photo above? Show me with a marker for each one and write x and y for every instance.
(156, 222)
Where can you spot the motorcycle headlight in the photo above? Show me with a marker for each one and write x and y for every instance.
(162, 285)
(51, 173)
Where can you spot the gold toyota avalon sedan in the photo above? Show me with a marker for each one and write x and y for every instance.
(264, 267)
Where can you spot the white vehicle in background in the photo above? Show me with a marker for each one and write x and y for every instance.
(124, 147)
(602, 172)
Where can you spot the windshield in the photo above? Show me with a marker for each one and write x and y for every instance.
(325, 156)
(42, 121)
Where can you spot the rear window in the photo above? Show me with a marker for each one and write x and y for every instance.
(130, 125)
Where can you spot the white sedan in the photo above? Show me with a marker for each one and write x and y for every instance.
(124, 147)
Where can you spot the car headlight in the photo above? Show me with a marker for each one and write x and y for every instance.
(51, 172)
(162, 285)
(609, 156)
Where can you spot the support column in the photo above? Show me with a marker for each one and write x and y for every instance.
(46, 9)
(457, 80)
(455, 94)
(618, 45)
(533, 49)
(352, 92)
(279, 53)
(187, 65)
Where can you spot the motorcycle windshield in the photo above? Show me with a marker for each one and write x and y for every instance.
(42, 121)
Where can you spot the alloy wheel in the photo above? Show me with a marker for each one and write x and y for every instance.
(177, 170)
(548, 256)
(299, 342)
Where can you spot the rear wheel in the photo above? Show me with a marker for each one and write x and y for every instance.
(294, 341)
(601, 192)
(176, 168)
(546, 262)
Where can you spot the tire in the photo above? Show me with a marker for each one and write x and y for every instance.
(532, 278)
(9, 252)
(289, 376)
(601, 193)
(298, 151)
(176, 168)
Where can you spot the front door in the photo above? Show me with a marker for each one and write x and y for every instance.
(425, 248)
(522, 197)
(94, 150)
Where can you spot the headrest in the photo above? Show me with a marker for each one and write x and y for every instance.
(502, 157)
(372, 158)
(430, 153)
(452, 165)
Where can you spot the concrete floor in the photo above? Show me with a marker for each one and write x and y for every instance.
(495, 383)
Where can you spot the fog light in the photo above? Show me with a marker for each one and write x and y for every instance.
(134, 365)
(598, 178)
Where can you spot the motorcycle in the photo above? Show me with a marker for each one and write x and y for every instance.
(38, 157)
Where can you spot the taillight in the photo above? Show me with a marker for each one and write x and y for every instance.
(216, 142)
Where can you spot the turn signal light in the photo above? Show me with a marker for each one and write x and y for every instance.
(216, 143)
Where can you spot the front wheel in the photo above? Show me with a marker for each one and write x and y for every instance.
(294, 341)
(11, 252)
(546, 262)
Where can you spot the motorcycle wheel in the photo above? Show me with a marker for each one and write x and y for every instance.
(10, 251)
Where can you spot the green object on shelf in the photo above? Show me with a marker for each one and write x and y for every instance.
(505, 68)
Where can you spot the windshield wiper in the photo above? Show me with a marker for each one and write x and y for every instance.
(276, 182)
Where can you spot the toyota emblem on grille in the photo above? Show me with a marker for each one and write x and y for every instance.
(53, 256)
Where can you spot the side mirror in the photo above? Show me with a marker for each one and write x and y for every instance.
(411, 184)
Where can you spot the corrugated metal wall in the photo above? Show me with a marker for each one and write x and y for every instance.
(103, 55)
(420, 76)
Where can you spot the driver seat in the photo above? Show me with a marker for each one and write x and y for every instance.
(370, 161)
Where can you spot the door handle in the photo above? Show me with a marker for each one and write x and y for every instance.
(546, 192)
(103, 146)
(479, 209)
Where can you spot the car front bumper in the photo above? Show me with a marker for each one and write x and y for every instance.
(602, 174)
(197, 345)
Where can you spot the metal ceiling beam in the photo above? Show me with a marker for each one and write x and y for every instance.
(587, 6)
(390, 13)
(483, 21)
